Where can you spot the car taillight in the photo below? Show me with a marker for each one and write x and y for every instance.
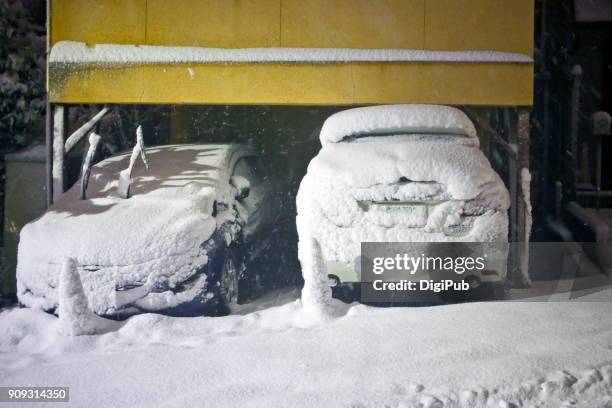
(489, 272)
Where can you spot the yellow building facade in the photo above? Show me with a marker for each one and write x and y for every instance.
(436, 25)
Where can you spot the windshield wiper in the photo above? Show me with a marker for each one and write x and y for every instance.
(94, 141)
(125, 176)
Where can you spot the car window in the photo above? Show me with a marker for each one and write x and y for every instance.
(251, 169)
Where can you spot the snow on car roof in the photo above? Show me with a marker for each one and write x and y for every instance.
(396, 119)
(170, 166)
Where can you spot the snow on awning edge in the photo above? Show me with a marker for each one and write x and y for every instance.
(72, 52)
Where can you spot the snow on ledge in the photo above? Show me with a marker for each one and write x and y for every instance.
(116, 54)
(394, 119)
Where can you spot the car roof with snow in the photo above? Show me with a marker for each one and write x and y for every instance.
(396, 119)
(169, 166)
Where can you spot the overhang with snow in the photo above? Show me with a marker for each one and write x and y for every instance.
(321, 52)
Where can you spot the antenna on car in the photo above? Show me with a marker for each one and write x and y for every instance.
(125, 177)
(94, 141)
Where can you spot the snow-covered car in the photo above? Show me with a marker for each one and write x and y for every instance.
(176, 246)
(401, 173)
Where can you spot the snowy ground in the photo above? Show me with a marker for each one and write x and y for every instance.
(480, 354)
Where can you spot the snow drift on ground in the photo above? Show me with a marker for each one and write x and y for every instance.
(119, 242)
(470, 355)
(112, 54)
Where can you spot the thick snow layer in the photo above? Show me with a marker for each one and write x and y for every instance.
(115, 54)
(546, 355)
(395, 119)
(74, 313)
(153, 238)
(316, 293)
(437, 168)
(526, 196)
(75, 316)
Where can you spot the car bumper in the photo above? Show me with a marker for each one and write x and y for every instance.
(118, 291)
(107, 298)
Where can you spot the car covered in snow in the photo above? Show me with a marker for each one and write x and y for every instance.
(177, 245)
(401, 173)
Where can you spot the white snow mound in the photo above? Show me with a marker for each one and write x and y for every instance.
(435, 160)
(316, 294)
(75, 317)
(371, 168)
(396, 119)
(154, 236)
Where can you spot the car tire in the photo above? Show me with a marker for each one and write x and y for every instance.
(229, 279)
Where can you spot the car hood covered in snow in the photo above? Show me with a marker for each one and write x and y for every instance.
(153, 239)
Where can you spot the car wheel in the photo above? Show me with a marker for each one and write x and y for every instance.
(229, 280)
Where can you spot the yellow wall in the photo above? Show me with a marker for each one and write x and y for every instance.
(500, 25)
(99, 21)
(213, 23)
(329, 84)
(352, 23)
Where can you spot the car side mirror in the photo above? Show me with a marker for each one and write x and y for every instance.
(242, 186)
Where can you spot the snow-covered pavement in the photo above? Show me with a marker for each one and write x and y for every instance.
(479, 354)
